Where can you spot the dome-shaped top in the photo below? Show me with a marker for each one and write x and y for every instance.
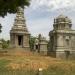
(62, 18)
(62, 22)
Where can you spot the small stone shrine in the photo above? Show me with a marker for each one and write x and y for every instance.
(62, 38)
(19, 35)
(41, 45)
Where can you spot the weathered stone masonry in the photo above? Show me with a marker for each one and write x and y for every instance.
(62, 38)
(19, 35)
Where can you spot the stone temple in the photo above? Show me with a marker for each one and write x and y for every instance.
(40, 45)
(19, 35)
(62, 38)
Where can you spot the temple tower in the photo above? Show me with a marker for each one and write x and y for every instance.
(19, 35)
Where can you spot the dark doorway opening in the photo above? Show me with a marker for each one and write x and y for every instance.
(20, 40)
(36, 46)
(67, 54)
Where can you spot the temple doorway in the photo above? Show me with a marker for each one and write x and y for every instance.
(20, 40)
(67, 54)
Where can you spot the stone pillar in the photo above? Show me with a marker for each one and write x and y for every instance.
(43, 46)
(60, 40)
(12, 40)
(16, 41)
(60, 46)
(26, 42)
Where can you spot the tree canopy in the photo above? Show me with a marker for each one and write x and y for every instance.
(10, 6)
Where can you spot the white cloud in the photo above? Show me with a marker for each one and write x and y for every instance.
(53, 4)
(40, 21)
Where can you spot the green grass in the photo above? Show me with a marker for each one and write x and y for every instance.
(3, 63)
(6, 71)
(17, 72)
(58, 71)
(55, 66)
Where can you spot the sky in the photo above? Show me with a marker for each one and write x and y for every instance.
(40, 16)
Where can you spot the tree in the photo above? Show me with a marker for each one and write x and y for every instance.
(32, 41)
(5, 44)
(10, 6)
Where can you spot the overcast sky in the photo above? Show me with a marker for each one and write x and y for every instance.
(39, 16)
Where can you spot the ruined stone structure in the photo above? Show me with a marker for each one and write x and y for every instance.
(62, 38)
(41, 45)
(19, 35)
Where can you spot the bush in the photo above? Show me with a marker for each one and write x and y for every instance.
(32, 41)
(5, 44)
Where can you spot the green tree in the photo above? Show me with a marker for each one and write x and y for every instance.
(5, 44)
(8, 42)
(10, 6)
(32, 41)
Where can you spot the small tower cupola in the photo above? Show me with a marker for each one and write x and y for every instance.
(62, 22)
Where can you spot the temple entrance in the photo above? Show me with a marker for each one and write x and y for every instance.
(67, 53)
(20, 40)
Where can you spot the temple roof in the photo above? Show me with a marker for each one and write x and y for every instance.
(63, 18)
(20, 23)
